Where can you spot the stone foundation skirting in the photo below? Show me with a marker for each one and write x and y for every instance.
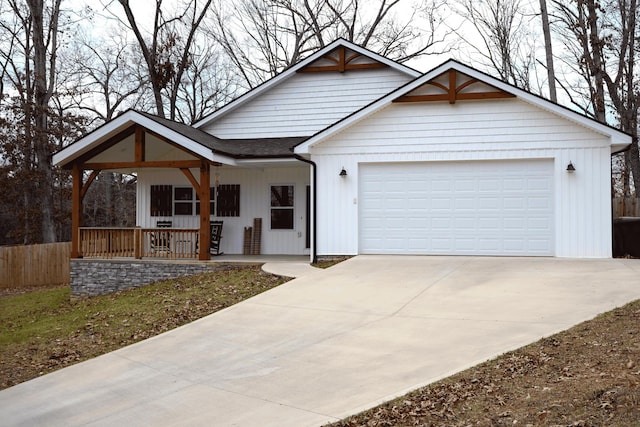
(90, 277)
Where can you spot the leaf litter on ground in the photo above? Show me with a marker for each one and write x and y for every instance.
(46, 330)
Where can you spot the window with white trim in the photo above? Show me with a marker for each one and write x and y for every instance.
(282, 207)
(167, 200)
(183, 201)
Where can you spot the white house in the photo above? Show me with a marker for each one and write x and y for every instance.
(350, 153)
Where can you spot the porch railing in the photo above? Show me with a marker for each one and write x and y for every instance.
(173, 243)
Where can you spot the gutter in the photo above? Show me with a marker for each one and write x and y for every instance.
(314, 252)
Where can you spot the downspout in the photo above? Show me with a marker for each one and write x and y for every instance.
(315, 217)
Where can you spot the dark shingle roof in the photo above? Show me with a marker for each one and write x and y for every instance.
(237, 148)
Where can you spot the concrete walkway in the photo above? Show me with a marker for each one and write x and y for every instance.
(290, 269)
(328, 344)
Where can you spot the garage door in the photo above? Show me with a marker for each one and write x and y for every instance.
(457, 208)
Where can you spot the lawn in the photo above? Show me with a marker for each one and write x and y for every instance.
(45, 330)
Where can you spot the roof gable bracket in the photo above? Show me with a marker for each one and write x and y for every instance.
(454, 92)
(341, 62)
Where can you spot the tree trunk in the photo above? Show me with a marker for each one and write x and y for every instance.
(42, 145)
(551, 74)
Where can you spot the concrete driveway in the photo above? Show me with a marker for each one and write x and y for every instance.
(328, 344)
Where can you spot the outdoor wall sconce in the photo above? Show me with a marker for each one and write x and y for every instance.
(343, 173)
(571, 168)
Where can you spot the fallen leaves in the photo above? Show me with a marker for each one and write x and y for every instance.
(98, 325)
(584, 377)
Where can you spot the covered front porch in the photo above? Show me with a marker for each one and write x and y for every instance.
(187, 182)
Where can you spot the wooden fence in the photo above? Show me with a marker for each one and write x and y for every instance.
(34, 265)
(625, 206)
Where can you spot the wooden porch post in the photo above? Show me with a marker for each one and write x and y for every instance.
(205, 211)
(76, 210)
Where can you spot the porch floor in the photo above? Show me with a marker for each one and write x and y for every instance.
(251, 259)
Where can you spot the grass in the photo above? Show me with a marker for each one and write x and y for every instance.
(45, 330)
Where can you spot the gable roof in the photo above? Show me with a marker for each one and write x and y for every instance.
(307, 64)
(191, 139)
(619, 139)
(236, 148)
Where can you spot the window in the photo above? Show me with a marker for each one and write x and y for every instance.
(282, 207)
(183, 200)
(161, 200)
(167, 200)
(228, 200)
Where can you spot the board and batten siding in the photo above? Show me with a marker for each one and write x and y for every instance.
(254, 203)
(306, 103)
(473, 130)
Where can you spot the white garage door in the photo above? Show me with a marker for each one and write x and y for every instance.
(457, 208)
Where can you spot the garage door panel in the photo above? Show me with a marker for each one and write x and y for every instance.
(515, 224)
(539, 184)
(490, 203)
(441, 204)
(490, 224)
(486, 208)
(465, 244)
(539, 203)
(443, 224)
(439, 185)
(514, 245)
(513, 184)
(465, 204)
(539, 246)
(444, 244)
(489, 185)
(540, 224)
(465, 185)
(514, 203)
(464, 223)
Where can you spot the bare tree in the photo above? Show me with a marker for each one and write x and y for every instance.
(505, 41)
(548, 49)
(601, 40)
(167, 53)
(109, 77)
(29, 53)
(44, 36)
(264, 37)
(208, 82)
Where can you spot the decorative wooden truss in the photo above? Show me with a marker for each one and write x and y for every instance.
(342, 60)
(448, 89)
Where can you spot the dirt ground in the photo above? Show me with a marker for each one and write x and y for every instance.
(586, 376)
